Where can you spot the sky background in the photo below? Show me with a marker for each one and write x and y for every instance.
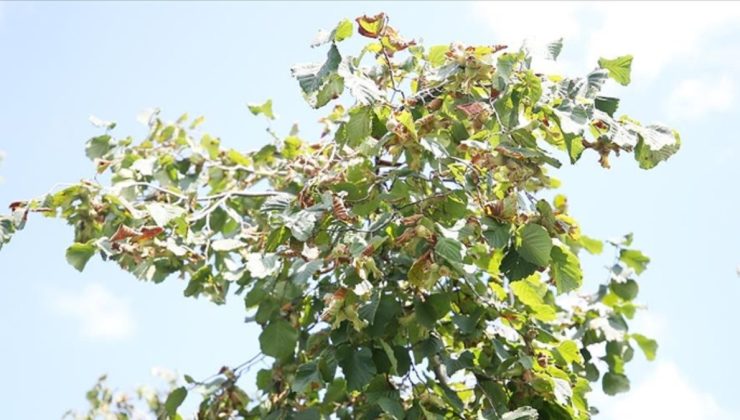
(62, 62)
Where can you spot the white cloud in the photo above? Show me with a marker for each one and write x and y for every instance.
(101, 314)
(695, 98)
(665, 394)
(537, 21)
(656, 33)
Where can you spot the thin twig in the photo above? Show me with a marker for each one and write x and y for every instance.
(154, 187)
(390, 72)
(229, 194)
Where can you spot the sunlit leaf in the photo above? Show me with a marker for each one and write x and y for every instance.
(619, 68)
(78, 254)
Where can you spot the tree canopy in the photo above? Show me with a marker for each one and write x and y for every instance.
(405, 265)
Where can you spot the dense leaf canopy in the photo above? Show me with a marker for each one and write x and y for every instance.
(405, 264)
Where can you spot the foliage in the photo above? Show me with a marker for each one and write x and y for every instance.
(106, 403)
(404, 265)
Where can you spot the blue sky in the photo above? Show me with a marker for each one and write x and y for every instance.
(63, 62)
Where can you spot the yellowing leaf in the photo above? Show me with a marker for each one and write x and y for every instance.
(371, 26)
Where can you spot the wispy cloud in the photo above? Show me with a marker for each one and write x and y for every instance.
(656, 33)
(100, 314)
(538, 21)
(657, 394)
(666, 393)
(696, 98)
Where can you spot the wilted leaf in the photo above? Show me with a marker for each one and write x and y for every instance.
(371, 26)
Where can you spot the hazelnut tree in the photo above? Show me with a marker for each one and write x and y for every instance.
(404, 265)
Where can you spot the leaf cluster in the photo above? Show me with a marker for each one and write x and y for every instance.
(403, 265)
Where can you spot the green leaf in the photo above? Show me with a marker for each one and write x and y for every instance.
(574, 146)
(385, 316)
(568, 350)
(634, 259)
(521, 413)
(534, 244)
(497, 234)
(553, 49)
(516, 267)
(450, 250)
(530, 292)
(301, 224)
(210, 145)
(262, 109)
(368, 310)
(656, 143)
(391, 406)
(594, 82)
(336, 390)
(306, 375)
(264, 379)
(357, 366)
(437, 55)
(615, 383)
(79, 253)
(278, 339)
(276, 238)
(343, 31)
(648, 345)
(434, 308)
(619, 68)
(97, 147)
(330, 91)
(627, 290)
(174, 400)
(359, 126)
(307, 414)
(306, 270)
(163, 213)
(320, 82)
(593, 246)
(565, 269)
(361, 87)
(226, 245)
(606, 104)
(262, 265)
(390, 354)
